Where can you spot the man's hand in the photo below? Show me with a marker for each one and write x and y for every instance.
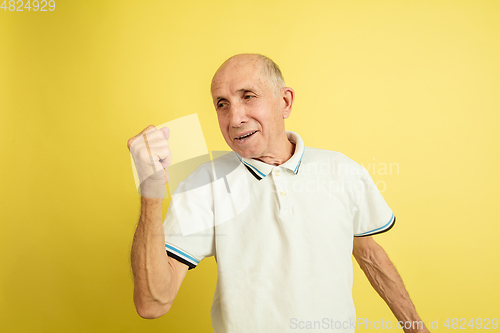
(152, 157)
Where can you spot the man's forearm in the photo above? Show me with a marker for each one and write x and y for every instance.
(385, 279)
(150, 265)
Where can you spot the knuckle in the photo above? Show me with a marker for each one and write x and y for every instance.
(130, 141)
(149, 128)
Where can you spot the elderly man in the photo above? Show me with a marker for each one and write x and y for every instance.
(284, 251)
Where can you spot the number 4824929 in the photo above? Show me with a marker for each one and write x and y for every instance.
(20, 6)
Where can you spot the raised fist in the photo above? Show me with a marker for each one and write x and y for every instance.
(152, 157)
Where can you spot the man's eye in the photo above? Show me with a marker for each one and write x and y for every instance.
(221, 105)
(248, 96)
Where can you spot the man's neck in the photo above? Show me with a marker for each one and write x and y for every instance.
(284, 151)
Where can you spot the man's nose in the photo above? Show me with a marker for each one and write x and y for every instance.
(237, 115)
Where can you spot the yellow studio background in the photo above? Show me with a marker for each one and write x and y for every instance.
(409, 84)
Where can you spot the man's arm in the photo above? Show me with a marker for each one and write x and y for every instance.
(385, 279)
(157, 277)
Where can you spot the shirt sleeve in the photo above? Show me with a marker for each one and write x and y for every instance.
(371, 213)
(189, 223)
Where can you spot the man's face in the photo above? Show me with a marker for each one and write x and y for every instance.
(250, 113)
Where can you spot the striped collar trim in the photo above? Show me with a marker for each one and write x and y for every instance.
(260, 169)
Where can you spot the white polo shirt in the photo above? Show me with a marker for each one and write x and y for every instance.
(282, 237)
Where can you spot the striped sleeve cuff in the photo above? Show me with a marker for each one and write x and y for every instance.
(181, 256)
(380, 230)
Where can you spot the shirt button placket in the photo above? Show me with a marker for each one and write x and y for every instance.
(281, 191)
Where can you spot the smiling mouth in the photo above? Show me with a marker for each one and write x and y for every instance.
(245, 136)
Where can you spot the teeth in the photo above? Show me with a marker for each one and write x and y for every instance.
(244, 136)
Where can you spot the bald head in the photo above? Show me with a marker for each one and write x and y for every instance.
(268, 68)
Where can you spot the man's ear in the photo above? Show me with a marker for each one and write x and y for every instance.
(287, 97)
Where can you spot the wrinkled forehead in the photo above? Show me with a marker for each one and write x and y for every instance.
(234, 73)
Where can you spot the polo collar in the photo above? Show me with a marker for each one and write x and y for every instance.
(260, 169)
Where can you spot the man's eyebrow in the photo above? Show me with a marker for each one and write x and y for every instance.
(245, 89)
(218, 98)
